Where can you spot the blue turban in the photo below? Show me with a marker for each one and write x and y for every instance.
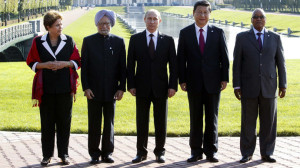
(108, 13)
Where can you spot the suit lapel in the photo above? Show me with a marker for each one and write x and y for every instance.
(266, 39)
(61, 44)
(194, 39)
(46, 45)
(159, 43)
(209, 36)
(59, 48)
(144, 41)
(252, 38)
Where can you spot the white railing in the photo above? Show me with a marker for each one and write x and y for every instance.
(14, 32)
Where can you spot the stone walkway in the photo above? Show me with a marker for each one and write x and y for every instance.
(23, 149)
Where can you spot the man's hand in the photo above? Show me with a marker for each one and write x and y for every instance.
(132, 91)
(119, 94)
(282, 92)
(89, 94)
(171, 93)
(238, 93)
(183, 86)
(223, 85)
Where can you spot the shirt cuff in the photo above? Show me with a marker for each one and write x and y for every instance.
(75, 64)
(237, 87)
(34, 66)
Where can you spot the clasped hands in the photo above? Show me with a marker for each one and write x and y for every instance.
(56, 65)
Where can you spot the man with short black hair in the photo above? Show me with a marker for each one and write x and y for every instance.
(203, 73)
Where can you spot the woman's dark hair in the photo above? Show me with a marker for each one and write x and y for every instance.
(50, 18)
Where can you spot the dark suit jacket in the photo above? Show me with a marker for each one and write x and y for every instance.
(54, 81)
(208, 69)
(255, 70)
(103, 74)
(146, 74)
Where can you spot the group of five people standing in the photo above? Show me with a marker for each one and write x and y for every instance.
(201, 64)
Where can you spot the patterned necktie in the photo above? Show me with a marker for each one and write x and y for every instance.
(201, 41)
(151, 46)
(259, 41)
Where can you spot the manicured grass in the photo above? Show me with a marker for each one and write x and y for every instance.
(16, 112)
(281, 21)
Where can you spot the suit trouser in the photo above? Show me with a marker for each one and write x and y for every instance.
(198, 101)
(95, 111)
(266, 108)
(56, 110)
(160, 110)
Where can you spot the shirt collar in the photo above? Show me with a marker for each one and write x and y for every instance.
(256, 31)
(155, 34)
(204, 27)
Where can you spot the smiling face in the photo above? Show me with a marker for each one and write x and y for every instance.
(258, 19)
(56, 28)
(104, 26)
(201, 15)
(152, 21)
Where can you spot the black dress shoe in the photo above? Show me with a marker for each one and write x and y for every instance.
(160, 159)
(139, 158)
(194, 158)
(268, 159)
(107, 159)
(213, 159)
(65, 160)
(245, 159)
(94, 161)
(45, 161)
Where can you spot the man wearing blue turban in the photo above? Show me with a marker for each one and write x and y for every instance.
(103, 78)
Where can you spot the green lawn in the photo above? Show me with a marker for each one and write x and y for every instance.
(280, 21)
(16, 112)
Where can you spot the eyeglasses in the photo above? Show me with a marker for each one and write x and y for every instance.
(107, 24)
(256, 17)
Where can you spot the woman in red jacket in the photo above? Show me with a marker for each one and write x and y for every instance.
(55, 59)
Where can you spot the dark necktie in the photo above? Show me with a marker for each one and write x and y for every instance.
(201, 41)
(259, 41)
(151, 46)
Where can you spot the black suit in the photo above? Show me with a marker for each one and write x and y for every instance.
(203, 74)
(104, 72)
(150, 78)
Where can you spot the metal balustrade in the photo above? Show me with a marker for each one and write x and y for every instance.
(18, 32)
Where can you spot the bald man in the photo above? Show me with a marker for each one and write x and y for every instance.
(103, 78)
(149, 54)
(258, 60)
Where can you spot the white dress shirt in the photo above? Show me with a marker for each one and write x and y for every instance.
(154, 38)
(198, 32)
(261, 36)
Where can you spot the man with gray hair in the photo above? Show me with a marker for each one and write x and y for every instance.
(148, 56)
(258, 60)
(103, 78)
